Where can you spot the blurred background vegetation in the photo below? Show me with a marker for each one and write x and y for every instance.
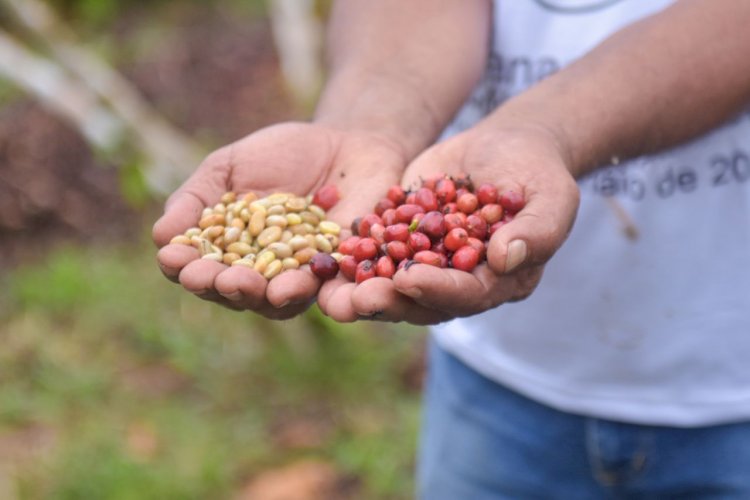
(115, 383)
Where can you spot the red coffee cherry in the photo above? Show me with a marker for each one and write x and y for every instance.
(326, 197)
(365, 249)
(456, 238)
(467, 203)
(428, 257)
(487, 193)
(465, 258)
(324, 266)
(365, 271)
(512, 201)
(396, 194)
(385, 268)
(397, 232)
(348, 267)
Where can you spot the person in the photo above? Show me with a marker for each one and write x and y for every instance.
(623, 372)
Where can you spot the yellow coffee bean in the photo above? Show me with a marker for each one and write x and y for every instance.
(230, 257)
(303, 256)
(180, 239)
(240, 248)
(329, 227)
(290, 263)
(257, 223)
(322, 244)
(276, 220)
(282, 250)
(273, 269)
(269, 235)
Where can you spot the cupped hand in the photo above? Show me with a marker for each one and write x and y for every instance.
(289, 157)
(528, 161)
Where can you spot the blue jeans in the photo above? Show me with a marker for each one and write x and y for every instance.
(481, 441)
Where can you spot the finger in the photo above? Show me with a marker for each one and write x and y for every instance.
(242, 286)
(378, 299)
(335, 300)
(204, 188)
(292, 286)
(535, 233)
(450, 291)
(199, 275)
(245, 289)
(172, 258)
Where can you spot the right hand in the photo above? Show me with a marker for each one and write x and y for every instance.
(289, 157)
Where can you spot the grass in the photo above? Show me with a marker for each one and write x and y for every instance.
(145, 391)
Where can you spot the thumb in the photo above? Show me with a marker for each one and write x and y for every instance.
(204, 188)
(533, 236)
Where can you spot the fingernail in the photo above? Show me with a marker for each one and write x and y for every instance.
(284, 304)
(516, 255)
(414, 292)
(235, 296)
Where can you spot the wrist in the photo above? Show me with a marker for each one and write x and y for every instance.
(511, 121)
(382, 106)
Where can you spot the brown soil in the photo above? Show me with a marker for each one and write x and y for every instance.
(215, 76)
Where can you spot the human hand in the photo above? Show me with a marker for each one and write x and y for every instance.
(289, 157)
(528, 161)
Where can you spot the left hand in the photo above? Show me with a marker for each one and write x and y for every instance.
(527, 160)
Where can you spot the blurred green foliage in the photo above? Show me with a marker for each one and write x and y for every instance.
(96, 341)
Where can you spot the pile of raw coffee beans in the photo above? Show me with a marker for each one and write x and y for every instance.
(270, 234)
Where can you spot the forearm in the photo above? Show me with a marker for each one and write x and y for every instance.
(402, 68)
(655, 84)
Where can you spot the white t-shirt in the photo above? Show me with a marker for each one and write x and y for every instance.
(651, 330)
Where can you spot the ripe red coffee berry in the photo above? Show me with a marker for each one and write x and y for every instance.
(365, 271)
(476, 227)
(347, 246)
(324, 266)
(365, 249)
(377, 233)
(418, 242)
(405, 213)
(428, 257)
(385, 268)
(452, 221)
(384, 205)
(456, 238)
(487, 193)
(467, 203)
(426, 199)
(396, 194)
(450, 208)
(478, 245)
(389, 217)
(397, 232)
(326, 197)
(348, 267)
(398, 250)
(445, 190)
(433, 225)
(411, 199)
(492, 213)
(465, 259)
(512, 201)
